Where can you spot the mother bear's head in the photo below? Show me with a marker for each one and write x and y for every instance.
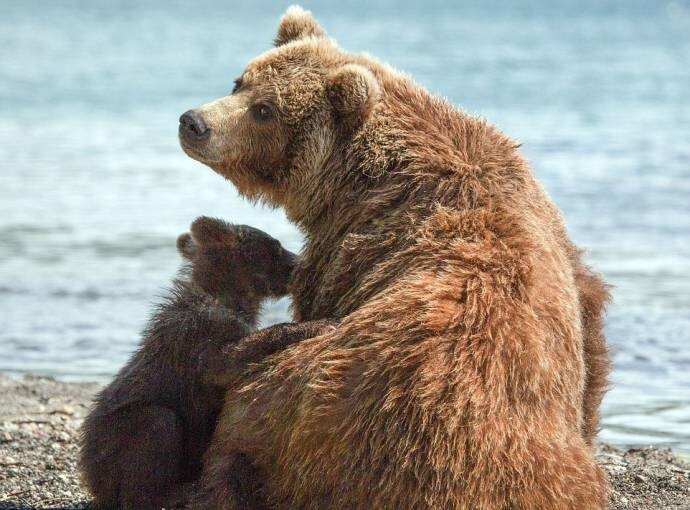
(291, 115)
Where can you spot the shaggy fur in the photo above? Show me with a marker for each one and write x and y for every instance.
(469, 362)
(149, 428)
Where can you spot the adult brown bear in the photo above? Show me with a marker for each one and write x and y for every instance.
(469, 363)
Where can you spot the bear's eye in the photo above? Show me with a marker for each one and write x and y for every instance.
(262, 112)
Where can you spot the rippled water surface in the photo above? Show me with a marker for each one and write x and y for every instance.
(94, 189)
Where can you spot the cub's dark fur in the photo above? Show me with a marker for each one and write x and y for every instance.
(145, 437)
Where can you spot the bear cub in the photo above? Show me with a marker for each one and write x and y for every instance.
(143, 441)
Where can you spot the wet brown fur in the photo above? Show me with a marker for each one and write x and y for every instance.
(470, 361)
(147, 432)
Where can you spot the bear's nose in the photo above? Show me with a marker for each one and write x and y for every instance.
(192, 126)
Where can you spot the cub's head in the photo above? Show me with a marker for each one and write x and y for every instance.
(289, 111)
(235, 262)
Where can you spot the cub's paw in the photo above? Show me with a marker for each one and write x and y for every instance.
(323, 326)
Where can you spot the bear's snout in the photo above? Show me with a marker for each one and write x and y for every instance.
(193, 128)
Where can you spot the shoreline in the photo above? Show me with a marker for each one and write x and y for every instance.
(40, 418)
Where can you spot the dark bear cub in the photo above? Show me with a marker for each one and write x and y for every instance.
(145, 436)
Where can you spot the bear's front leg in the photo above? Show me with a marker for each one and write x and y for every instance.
(253, 348)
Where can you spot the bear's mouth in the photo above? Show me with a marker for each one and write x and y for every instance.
(195, 153)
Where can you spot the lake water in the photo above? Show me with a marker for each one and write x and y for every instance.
(94, 188)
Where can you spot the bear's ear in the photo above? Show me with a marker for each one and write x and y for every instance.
(186, 246)
(296, 24)
(353, 91)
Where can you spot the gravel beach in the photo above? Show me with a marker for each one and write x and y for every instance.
(40, 419)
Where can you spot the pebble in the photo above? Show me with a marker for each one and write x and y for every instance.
(63, 437)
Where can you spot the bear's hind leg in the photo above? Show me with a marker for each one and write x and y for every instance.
(132, 457)
(230, 482)
(150, 467)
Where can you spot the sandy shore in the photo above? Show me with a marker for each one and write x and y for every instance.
(40, 418)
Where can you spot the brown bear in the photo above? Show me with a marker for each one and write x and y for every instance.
(145, 437)
(469, 362)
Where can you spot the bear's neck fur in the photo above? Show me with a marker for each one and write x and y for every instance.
(372, 191)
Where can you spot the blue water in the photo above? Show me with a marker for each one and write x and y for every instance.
(94, 188)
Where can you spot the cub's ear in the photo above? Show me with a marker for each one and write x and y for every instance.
(296, 24)
(353, 91)
(186, 246)
(205, 231)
